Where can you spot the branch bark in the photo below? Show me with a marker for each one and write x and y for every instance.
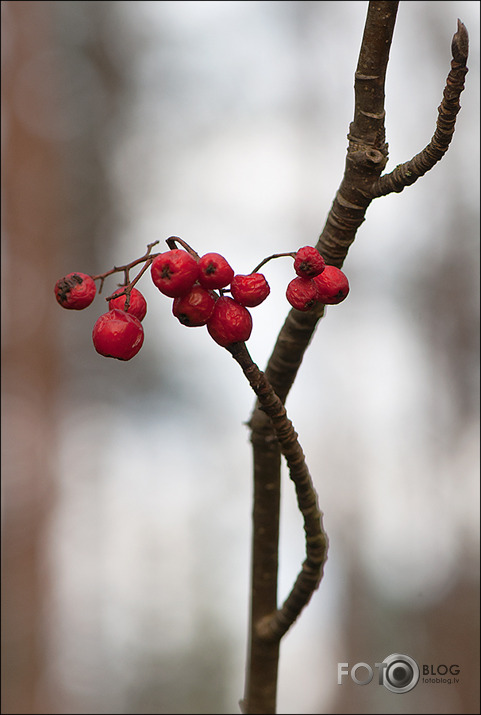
(362, 182)
(409, 172)
(273, 626)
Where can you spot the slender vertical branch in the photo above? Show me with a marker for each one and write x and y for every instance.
(362, 182)
(274, 625)
(345, 217)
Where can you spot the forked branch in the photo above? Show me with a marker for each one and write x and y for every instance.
(362, 182)
(409, 172)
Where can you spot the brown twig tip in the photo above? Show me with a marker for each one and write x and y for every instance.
(460, 44)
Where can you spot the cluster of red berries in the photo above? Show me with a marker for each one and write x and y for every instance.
(198, 286)
(117, 333)
(315, 282)
(192, 284)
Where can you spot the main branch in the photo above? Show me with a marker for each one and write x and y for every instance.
(362, 182)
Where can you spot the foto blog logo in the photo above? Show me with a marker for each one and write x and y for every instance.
(398, 673)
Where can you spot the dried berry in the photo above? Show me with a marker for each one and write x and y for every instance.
(250, 290)
(308, 262)
(195, 307)
(230, 322)
(302, 293)
(75, 291)
(117, 334)
(137, 305)
(214, 271)
(332, 286)
(174, 272)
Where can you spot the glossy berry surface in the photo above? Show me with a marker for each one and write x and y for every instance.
(195, 307)
(174, 272)
(308, 262)
(250, 290)
(117, 334)
(137, 306)
(230, 322)
(302, 293)
(332, 286)
(214, 271)
(75, 291)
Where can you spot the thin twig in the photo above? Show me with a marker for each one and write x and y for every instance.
(148, 256)
(409, 172)
(274, 625)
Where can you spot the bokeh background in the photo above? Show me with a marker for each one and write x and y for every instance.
(127, 486)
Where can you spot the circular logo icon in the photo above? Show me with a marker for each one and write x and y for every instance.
(401, 673)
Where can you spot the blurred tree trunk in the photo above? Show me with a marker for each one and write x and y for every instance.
(32, 230)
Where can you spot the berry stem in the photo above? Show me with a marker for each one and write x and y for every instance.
(273, 626)
(173, 240)
(128, 286)
(269, 258)
(148, 256)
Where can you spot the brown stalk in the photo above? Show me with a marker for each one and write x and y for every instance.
(362, 182)
(275, 624)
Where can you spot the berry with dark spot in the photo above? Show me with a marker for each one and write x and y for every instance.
(75, 291)
(250, 290)
(174, 272)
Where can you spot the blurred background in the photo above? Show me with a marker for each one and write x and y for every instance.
(126, 519)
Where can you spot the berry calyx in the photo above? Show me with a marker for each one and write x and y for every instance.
(117, 334)
(137, 306)
(250, 290)
(302, 293)
(195, 307)
(332, 286)
(230, 322)
(308, 262)
(174, 272)
(214, 271)
(75, 291)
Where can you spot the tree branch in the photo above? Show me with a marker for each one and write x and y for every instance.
(366, 159)
(273, 625)
(409, 172)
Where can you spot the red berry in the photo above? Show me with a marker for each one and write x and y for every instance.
(174, 272)
(302, 293)
(250, 290)
(332, 286)
(230, 322)
(117, 334)
(137, 306)
(195, 307)
(214, 271)
(308, 262)
(75, 291)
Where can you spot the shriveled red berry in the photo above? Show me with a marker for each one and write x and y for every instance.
(250, 290)
(308, 262)
(214, 271)
(118, 334)
(195, 307)
(332, 286)
(75, 291)
(302, 293)
(230, 322)
(174, 272)
(137, 305)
